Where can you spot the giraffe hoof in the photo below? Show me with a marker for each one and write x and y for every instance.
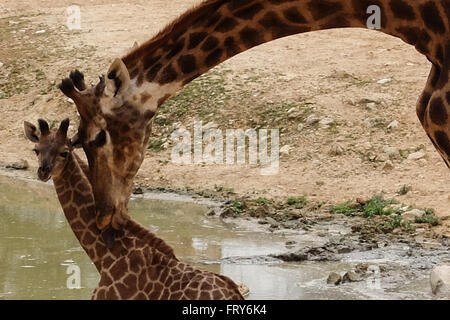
(108, 236)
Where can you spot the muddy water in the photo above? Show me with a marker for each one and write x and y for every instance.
(38, 250)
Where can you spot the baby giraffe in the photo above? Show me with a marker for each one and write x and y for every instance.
(139, 265)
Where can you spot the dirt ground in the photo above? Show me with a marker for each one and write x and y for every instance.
(330, 76)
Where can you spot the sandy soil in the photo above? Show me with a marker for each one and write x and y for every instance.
(330, 74)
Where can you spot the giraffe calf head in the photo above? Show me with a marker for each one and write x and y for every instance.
(51, 147)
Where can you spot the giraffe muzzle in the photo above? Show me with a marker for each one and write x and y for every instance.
(44, 173)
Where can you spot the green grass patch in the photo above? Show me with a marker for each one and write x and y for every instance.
(298, 202)
(346, 208)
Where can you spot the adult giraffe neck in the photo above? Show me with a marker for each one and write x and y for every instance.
(217, 30)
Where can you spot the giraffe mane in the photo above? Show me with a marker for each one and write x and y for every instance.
(172, 30)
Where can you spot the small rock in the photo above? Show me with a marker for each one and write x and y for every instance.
(300, 127)
(272, 222)
(261, 211)
(411, 215)
(312, 119)
(18, 165)
(1, 64)
(372, 106)
(391, 152)
(334, 278)
(336, 150)
(393, 125)
(383, 81)
(350, 276)
(416, 155)
(211, 212)
(371, 122)
(228, 212)
(440, 281)
(388, 165)
(69, 100)
(138, 190)
(422, 162)
(291, 110)
(40, 31)
(361, 268)
(285, 149)
(326, 122)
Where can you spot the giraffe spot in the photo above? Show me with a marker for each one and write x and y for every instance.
(65, 197)
(131, 281)
(190, 294)
(226, 25)
(323, 8)
(136, 261)
(447, 97)
(151, 74)
(442, 141)
(336, 22)
(432, 18)
(293, 15)
(231, 47)
(142, 281)
(125, 291)
(236, 4)
(140, 296)
(210, 43)
(214, 57)
(206, 286)
(212, 20)
(204, 295)
(145, 97)
(134, 73)
(251, 37)
(187, 63)
(176, 295)
(410, 34)
(176, 286)
(249, 12)
(105, 280)
(111, 294)
(88, 238)
(272, 21)
(150, 60)
(196, 38)
(107, 262)
(119, 268)
(422, 106)
(438, 113)
(168, 75)
(177, 47)
(165, 294)
(439, 53)
(101, 294)
(216, 294)
(423, 42)
(402, 10)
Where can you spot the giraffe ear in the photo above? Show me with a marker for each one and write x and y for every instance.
(31, 132)
(118, 77)
(75, 142)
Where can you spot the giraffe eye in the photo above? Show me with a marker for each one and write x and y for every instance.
(64, 154)
(36, 151)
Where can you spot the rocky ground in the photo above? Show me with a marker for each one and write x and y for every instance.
(343, 101)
